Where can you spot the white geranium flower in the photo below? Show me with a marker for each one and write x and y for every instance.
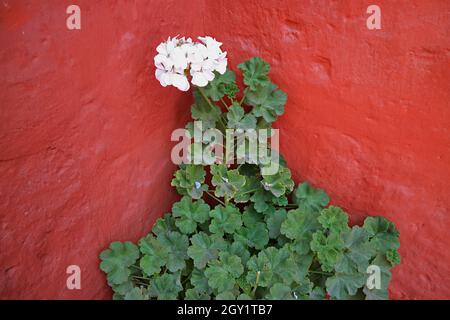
(215, 54)
(178, 56)
(171, 62)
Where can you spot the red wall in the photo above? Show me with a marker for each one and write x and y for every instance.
(85, 128)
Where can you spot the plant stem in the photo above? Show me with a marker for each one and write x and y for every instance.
(214, 197)
(320, 272)
(136, 267)
(249, 191)
(143, 278)
(141, 283)
(202, 92)
(243, 97)
(256, 283)
(224, 103)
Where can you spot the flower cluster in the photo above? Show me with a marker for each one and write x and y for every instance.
(179, 57)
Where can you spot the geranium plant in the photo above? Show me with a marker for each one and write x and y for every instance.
(239, 232)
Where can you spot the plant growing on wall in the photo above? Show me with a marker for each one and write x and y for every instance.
(235, 234)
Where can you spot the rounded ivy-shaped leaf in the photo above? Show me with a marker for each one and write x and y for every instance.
(222, 273)
(225, 219)
(255, 72)
(279, 183)
(188, 181)
(165, 287)
(227, 182)
(334, 219)
(205, 248)
(310, 199)
(117, 259)
(188, 213)
(155, 255)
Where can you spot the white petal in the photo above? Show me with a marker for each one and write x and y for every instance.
(166, 79)
(199, 79)
(159, 73)
(180, 81)
(162, 62)
(209, 75)
(221, 66)
(179, 58)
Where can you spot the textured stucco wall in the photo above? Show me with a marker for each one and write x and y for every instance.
(85, 127)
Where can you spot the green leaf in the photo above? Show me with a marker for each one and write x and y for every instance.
(255, 72)
(165, 287)
(300, 226)
(238, 119)
(200, 281)
(154, 253)
(267, 102)
(227, 182)
(334, 219)
(189, 181)
(393, 257)
(317, 293)
(255, 236)
(240, 249)
(382, 233)
(273, 265)
(194, 294)
(228, 295)
(222, 273)
(137, 294)
(202, 111)
(358, 251)
(189, 213)
(274, 222)
(205, 248)
(225, 219)
(342, 286)
(176, 245)
(164, 225)
(252, 184)
(302, 291)
(280, 291)
(251, 216)
(310, 199)
(122, 289)
(117, 259)
(261, 199)
(328, 249)
(382, 292)
(279, 183)
(221, 85)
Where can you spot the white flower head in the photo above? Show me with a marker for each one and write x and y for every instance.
(178, 57)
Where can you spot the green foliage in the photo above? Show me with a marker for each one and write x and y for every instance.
(279, 183)
(189, 181)
(267, 102)
(234, 234)
(225, 219)
(238, 119)
(189, 214)
(227, 182)
(310, 199)
(117, 259)
(256, 72)
(223, 84)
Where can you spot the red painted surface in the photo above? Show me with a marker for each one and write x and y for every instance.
(84, 134)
